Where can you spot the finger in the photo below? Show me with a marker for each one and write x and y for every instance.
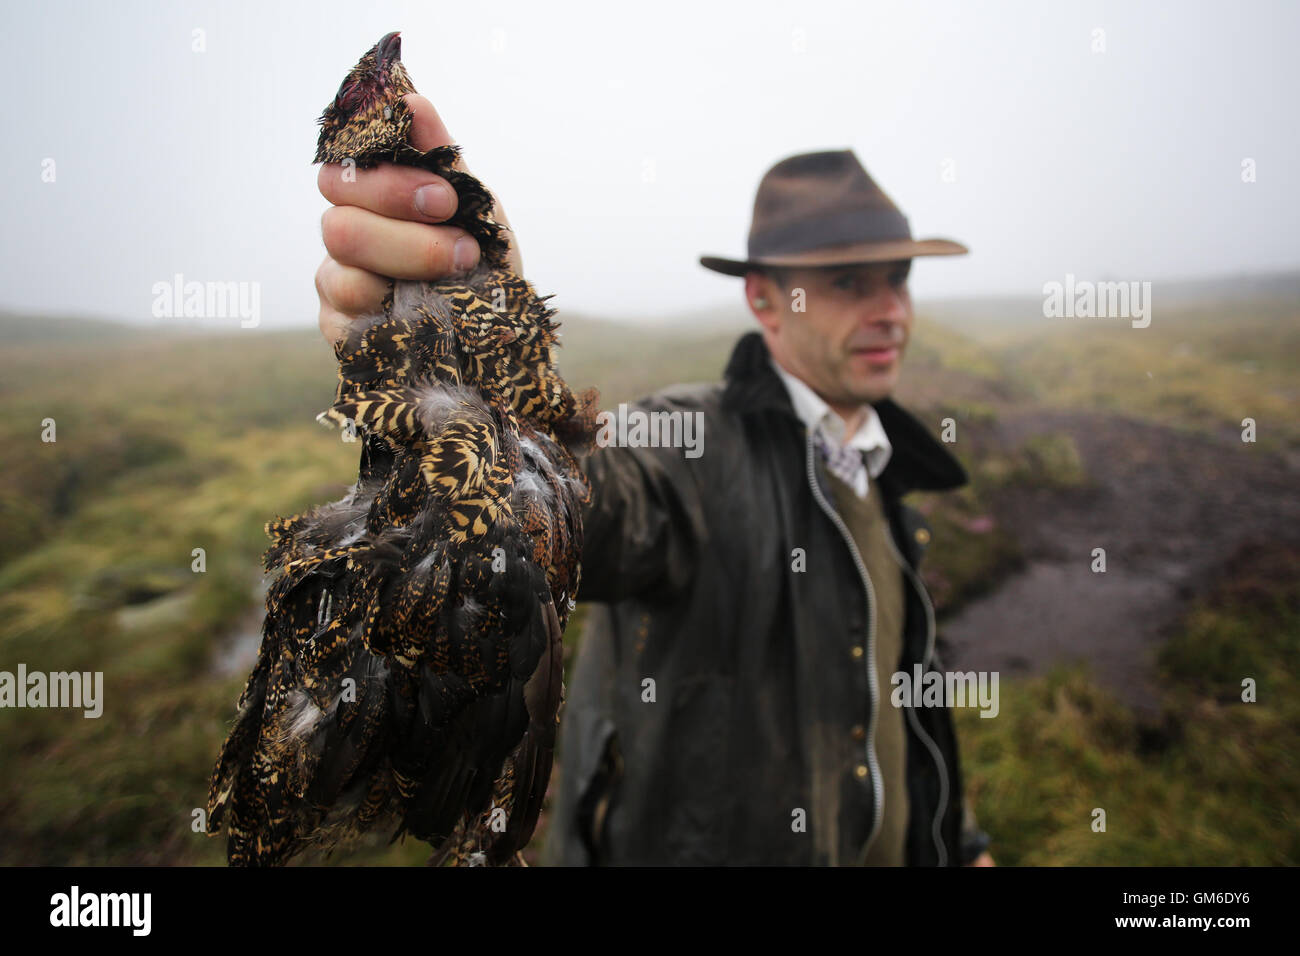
(397, 192)
(514, 258)
(394, 248)
(350, 290)
(428, 131)
(334, 325)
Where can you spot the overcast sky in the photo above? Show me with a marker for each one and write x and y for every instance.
(626, 140)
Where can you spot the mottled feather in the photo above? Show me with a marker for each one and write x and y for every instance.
(410, 671)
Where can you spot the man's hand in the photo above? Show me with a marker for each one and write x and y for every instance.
(984, 859)
(382, 226)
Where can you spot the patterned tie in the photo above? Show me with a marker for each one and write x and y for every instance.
(843, 461)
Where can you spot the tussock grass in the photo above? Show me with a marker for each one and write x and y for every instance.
(167, 444)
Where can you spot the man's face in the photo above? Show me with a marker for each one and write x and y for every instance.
(845, 334)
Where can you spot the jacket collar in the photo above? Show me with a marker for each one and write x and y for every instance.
(919, 461)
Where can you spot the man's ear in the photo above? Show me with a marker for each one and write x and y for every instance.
(761, 297)
(760, 292)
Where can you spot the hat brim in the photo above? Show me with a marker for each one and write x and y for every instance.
(863, 252)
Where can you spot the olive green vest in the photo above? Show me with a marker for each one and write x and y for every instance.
(865, 519)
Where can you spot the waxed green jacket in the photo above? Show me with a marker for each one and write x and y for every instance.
(711, 714)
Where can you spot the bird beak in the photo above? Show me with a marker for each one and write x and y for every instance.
(390, 49)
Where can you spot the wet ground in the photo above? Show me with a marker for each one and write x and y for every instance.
(236, 653)
(1169, 508)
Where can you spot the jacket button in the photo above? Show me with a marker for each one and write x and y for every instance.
(922, 536)
(857, 652)
(858, 732)
(861, 771)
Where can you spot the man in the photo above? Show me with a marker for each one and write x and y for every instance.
(731, 701)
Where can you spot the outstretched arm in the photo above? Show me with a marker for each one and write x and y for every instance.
(644, 526)
(384, 224)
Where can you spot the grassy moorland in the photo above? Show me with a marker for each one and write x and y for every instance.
(170, 442)
(1210, 781)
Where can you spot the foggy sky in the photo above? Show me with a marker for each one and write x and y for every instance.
(624, 141)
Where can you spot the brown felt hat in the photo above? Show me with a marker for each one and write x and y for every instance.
(822, 209)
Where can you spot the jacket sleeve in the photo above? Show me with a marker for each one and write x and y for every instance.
(643, 527)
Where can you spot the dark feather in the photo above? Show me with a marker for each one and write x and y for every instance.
(410, 673)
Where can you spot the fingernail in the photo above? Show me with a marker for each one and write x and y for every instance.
(434, 200)
(465, 255)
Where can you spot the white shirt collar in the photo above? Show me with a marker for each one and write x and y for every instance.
(813, 412)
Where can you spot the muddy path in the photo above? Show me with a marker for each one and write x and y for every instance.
(1169, 508)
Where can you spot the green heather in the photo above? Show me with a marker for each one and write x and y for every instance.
(169, 442)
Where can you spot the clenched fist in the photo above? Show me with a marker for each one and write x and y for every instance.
(383, 225)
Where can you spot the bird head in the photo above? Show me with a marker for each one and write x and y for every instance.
(369, 116)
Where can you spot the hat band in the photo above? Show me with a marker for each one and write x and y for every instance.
(840, 228)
